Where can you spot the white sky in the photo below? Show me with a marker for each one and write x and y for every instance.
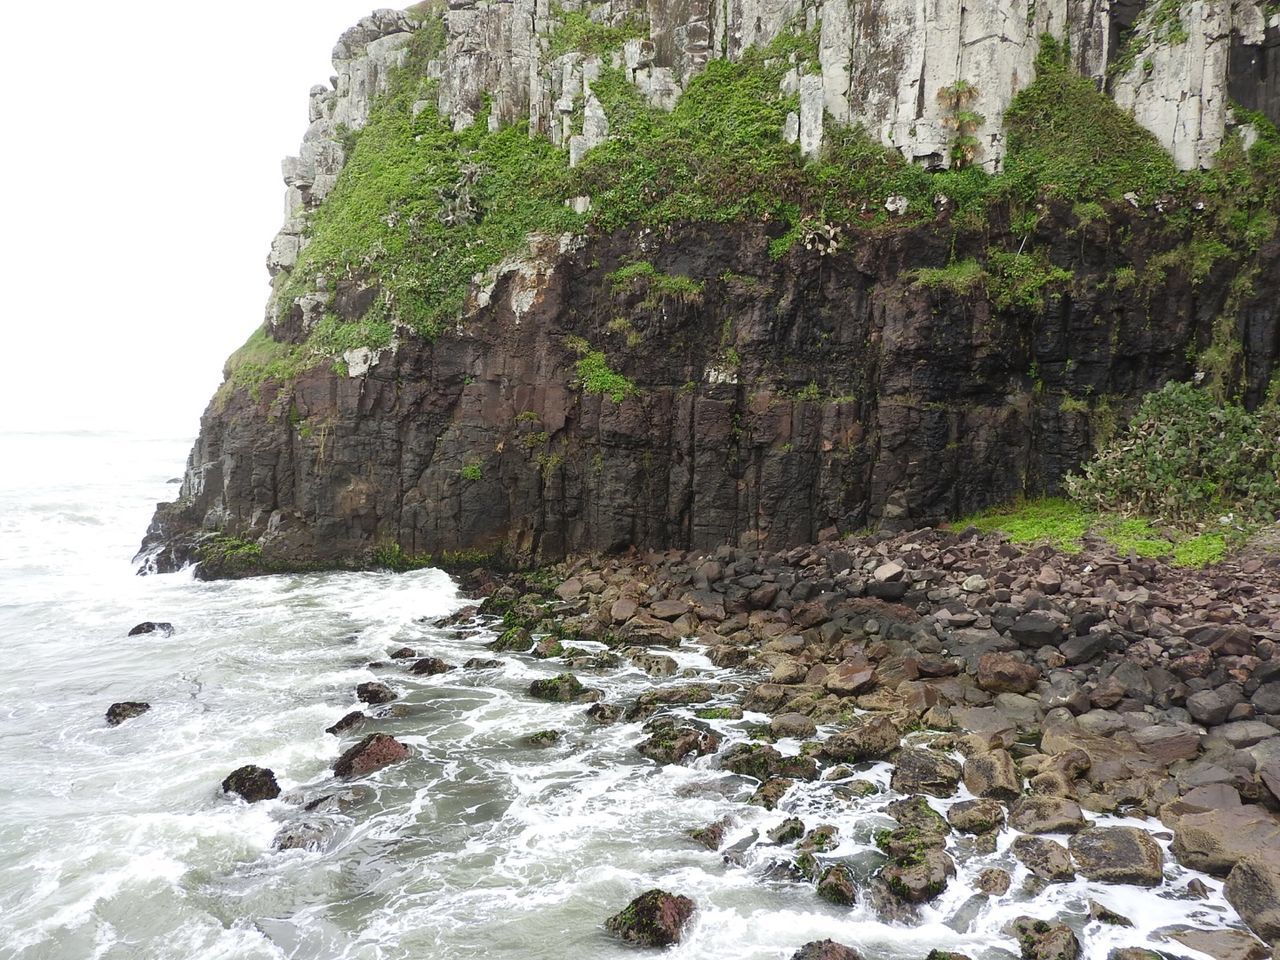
(139, 191)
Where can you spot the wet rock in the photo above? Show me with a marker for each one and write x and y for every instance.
(1035, 814)
(372, 753)
(118, 713)
(788, 831)
(1216, 840)
(654, 664)
(976, 816)
(671, 744)
(429, 667)
(1108, 916)
(1041, 940)
(1005, 673)
(481, 663)
(994, 882)
(544, 738)
(792, 725)
(993, 775)
(711, 836)
(770, 793)
(925, 771)
(1045, 858)
(873, 737)
(1118, 855)
(836, 885)
(565, 688)
(604, 713)
(1222, 944)
(920, 878)
(307, 835)
(150, 626)
(684, 695)
(653, 919)
(348, 722)
(403, 653)
(1253, 888)
(1134, 953)
(374, 693)
(826, 950)
(252, 783)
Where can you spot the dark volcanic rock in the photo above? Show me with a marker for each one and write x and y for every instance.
(429, 666)
(118, 713)
(148, 626)
(653, 919)
(372, 753)
(252, 783)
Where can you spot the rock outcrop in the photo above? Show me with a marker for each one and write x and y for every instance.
(824, 388)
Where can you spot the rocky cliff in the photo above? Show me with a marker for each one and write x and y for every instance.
(696, 302)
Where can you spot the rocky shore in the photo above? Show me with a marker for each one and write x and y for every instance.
(1028, 717)
(1041, 689)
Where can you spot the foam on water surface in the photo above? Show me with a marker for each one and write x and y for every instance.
(116, 843)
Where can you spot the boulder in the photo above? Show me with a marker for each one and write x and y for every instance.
(994, 882)
(565, 688)
(372, 753)
(482, 663)
(118, 713)
(150, 626)
(921, 877)
(925, 771)
(1222, 944)
(1041, 940)
(792, 725)
(1045, 858)
(653, 919)
(671, 744)
(976, 816)
(872, 737)
(770, 793)
(826, 950)
(403, 653)
(1212, 707)
(429, 667)
(1005, 673)
(544, 738)
(993, 775)
(1216, 840)
(850, 677)
(1035, 630)
(1035, 814)
(604, 713)
(307, 835)
(788, 831)
(710, 836)
(1118, 855)
(374, 693)
(1253, 888)
(350, 720)
(252, 783)
(836, 886)
(1104, 914)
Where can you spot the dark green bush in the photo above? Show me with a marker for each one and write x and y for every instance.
(1185, 458)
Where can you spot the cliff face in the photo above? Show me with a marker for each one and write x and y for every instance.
(702, 383)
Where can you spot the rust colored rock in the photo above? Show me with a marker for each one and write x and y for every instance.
(374, 752)
(1004, 673)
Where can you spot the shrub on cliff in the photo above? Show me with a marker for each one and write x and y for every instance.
(1185, 459)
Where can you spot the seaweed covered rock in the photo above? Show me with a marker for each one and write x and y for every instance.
(118, 713)
(372, 753)
(653, 919)
(565, 688)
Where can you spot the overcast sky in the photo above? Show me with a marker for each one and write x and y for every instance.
(139, 191)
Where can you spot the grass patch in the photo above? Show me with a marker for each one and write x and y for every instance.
(1063, 524)
(959, 276)
(596, 376)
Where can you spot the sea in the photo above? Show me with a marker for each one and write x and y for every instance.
(117, 842)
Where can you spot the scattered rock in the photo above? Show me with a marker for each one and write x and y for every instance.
(372, 753)
(994, 881)
(788, 831)
(1223, 944)
(1216, 840)
(1005, 673)
(252, 783)
(1045, 858)
(374, 693)
(826, 950)
(993, 775)
(873, 737)
(1118, 855)
(307, 835)
(544, 738)
(481, 663)
(1108, 916)
(836, 885)
(976, 816)
(921, 877)
(429, 667)
(1041, 940)
(792, 725)
(565, 688)
(148, 626)
(653, 919)
(1036, 814)
(925, 771)
(671, 743)
(1253, 888)
(118, 713)
(348, 722)
(710, 836)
